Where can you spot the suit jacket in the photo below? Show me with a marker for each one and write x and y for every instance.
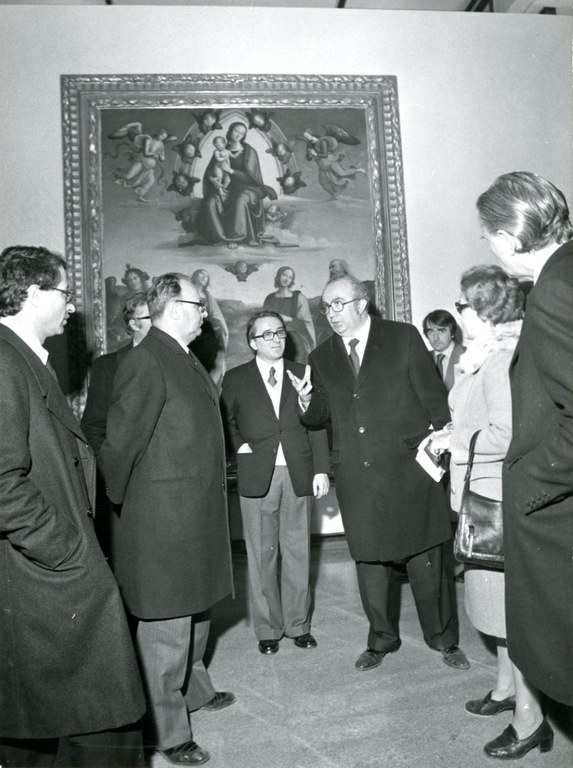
(163, 459)
(66, 661)
(449, 374)
(99, 396)
(250, 418)
(390, 507)
(538, 485)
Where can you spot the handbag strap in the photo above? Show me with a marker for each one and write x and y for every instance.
(470, 459)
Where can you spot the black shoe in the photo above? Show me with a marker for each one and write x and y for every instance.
(305, 641)
(220, 700)
(509, 745)
(455, 657)
(188, 753)
(371, 659)
(487, 707)
(268, 646)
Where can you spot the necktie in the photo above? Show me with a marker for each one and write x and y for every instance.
(440, 364)
(354, 359)
(272, 381)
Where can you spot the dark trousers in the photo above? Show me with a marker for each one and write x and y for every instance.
(119, 748)
(434, 596)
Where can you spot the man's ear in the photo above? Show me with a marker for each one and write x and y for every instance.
(253, 345)
(33, 292)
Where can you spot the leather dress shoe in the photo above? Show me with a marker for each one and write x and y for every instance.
(305, 641)
(371, 659)
(188, 753)
(455, 657)
(268, 647)
(220, 700)
(509, 746)
(487, 707)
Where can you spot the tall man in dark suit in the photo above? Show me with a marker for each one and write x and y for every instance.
(376, 381)
(526, 221)
(69, 683)
(163, 459)
(280, 465)
(137, 322)
(440, 328)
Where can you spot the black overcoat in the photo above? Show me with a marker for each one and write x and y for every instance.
(390, 506)
(538, 485)
(163, 459)
(67, 664)
(251, 418)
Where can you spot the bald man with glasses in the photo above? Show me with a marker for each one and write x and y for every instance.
(375, 380)
(280, 467)
(163, 459)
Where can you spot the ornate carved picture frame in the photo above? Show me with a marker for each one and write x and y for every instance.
(259, 186)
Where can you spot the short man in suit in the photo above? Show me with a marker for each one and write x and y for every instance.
(375, 380)
(163, 459)
(69, 682)
(280, 465)
(137, 322)
(440, 328)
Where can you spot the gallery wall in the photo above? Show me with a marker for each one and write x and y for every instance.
(479, 94)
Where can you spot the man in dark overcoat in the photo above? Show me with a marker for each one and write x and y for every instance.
(163, 459)
(69, 682)
(280, 466)
(375, 380)
(526, 221)
(137, 323)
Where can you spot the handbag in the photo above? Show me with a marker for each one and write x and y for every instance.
(479, 536)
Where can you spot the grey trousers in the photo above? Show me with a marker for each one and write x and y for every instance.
(171, 656)
(278, 522)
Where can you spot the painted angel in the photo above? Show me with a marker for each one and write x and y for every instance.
(241, 269)
(282, 150)
(208, 120)
(261, 119)
(333, 176)
(147, 152)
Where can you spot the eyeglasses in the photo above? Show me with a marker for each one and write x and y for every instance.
(336, 306)
(142, 317)
(460, 306)
(201, 304)
(67, 293)
(269, 335)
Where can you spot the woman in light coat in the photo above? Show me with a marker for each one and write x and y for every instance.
(491, 311)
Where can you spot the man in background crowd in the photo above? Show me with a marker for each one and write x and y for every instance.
(137, 322)
(440, 328)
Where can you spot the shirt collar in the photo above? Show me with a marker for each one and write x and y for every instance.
(24, 334)
(361, 334)
(265, 367)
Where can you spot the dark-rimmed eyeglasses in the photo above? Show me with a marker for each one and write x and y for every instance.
(201, 304)
(269, 335)
(336, 306)
(142, 317)
(460, 306)
(68, 293)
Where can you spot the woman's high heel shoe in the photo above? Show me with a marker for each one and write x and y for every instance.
(509, 745)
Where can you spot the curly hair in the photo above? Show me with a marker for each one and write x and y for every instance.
(22, 266)
(528, 207)
(493, 294)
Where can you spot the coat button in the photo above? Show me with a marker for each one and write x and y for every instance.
(366, 463)
(356, 396)
(362, 430)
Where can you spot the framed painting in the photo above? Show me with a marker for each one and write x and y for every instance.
(260, 187)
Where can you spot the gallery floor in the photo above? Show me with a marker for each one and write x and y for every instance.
(313, 709)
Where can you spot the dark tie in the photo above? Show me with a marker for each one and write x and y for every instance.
(272, 381)
(354, 359)
(440, 364)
